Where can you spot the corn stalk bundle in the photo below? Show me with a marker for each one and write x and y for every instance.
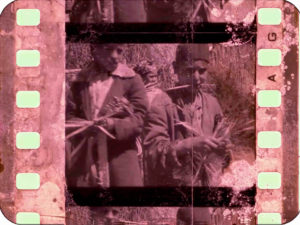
(197, 163)
(116, 108)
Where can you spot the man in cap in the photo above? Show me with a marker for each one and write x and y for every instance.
(109, 101)
(200, 147)
(158, 130)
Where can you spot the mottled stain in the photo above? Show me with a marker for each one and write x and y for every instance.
(7, 20)
(272, 112)
(290, 119)
(271, 124)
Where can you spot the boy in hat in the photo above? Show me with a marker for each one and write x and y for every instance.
(199, 113)
(200, 149)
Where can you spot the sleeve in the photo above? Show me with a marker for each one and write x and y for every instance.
(132, 126)
(160, 122)
(71, 114)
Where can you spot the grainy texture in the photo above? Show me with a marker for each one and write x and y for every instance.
(235, 90)
(7, 24)
(290, 118)
(48, 119)
(7, 69)
(269, 119)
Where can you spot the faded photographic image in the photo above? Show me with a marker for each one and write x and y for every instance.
(149, 112)
(161, 115)
(160, 112)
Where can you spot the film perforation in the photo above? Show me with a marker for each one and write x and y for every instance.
(28, 58)
(269, 180)
(28, 17)
(245, 107)
(27, 100)
(269, 139)
(28, 181)
(269, 97)
(269, 57)
(269, 218)
(28, 218)
(269, 16)
(28, 140)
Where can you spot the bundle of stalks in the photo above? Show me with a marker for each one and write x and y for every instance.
(243, 129)
(187, 126)
(222, 134)
(116, 108)
(231, 133)
(238, 104)
(225, 132)
(198, 160)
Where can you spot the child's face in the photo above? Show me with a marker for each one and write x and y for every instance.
(107, 56)
(194, 75)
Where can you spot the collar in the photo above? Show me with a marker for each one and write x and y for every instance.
(123, 71)
(91, 72)
(151, 86)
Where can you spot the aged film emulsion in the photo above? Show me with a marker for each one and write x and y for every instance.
(276, 116)
(149, 112)
(189, 108)
(32, 112)
(175, 114)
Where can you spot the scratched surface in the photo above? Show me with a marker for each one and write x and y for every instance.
(48, 119)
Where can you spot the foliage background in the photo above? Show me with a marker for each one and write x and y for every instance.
(232, 70)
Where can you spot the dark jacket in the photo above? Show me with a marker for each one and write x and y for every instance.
(123, 163)
(167, 125)
(209, 168)
(159, 132)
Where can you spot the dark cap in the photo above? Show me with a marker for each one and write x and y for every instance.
(187, 54)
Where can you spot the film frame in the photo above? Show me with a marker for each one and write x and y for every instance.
(266, 90)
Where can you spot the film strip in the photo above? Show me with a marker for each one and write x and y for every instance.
(270, 210)
(269, 179)
(39, 186)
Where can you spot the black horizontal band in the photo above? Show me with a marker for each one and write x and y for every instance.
(164, 196)
(158, 33)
